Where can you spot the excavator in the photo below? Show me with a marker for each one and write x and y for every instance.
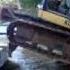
(58, 14)
(50, 31)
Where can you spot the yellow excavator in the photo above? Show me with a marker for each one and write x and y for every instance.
(56, 12)
(50, 31)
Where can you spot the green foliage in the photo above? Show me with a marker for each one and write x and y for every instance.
(29, 3)
(30, 6)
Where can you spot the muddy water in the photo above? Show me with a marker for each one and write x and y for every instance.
(27, 59)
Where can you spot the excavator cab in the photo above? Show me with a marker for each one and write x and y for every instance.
(57, 12)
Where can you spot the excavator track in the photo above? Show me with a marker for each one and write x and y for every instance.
(35, 32)
(42, 23)
(13, 15)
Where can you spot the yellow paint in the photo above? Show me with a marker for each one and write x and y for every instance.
(54, 18)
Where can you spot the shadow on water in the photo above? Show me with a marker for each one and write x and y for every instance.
(10, 66)
(25, 59)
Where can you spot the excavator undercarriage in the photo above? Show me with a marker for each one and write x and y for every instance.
(31, 32)
(37, 33)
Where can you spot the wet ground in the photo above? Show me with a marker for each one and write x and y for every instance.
(26, 59)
